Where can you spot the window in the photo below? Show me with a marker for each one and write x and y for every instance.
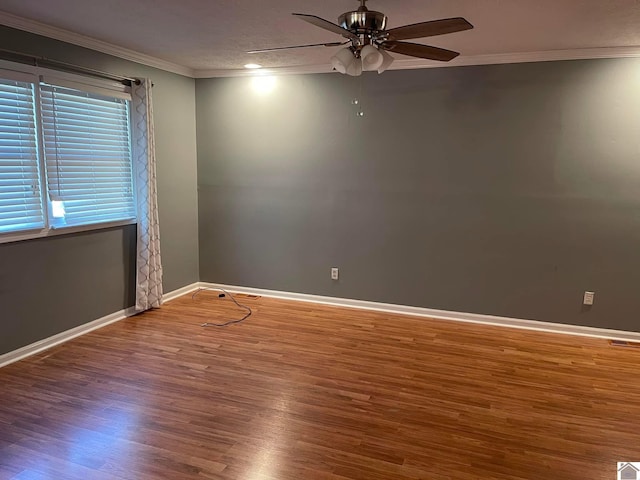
(65, 156)
(20, 195)
(87, 156)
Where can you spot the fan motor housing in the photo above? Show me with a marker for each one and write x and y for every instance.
(363, 22)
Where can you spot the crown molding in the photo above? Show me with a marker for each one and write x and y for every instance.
(243, 72)
(461, 61)
(63, 35)
(523, 57)
(56, 33)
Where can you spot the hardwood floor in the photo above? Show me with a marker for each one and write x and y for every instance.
(303, 391)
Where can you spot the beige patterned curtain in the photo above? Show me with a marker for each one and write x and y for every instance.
(149, 266)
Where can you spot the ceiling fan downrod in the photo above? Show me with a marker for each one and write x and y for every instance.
(363, 21)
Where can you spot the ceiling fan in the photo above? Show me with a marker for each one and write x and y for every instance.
(370, 40)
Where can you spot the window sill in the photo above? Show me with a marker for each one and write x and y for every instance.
(54, 232)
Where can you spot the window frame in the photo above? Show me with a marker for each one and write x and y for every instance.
(38, 75)
(31, 79)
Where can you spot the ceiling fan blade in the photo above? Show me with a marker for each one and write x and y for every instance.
(327, 25)
(429, 29)
(420, 51)
(330, 44)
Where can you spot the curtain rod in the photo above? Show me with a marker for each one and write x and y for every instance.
(58, 65)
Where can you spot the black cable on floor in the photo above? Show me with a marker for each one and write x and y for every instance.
(230, 322)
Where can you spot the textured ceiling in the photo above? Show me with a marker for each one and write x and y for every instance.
(207, 34)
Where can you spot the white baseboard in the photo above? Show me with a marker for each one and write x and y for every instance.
(167, 297)
(540, 326)
(437, 314)
(67, 335)
(62, 337)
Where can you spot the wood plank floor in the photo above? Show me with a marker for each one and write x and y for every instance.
(302, 391)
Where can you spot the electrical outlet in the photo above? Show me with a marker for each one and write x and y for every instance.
(588, 298)
(334, 273)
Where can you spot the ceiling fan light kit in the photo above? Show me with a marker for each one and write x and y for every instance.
(387, 60)
(370, 40)
(343, 60)
(372, 59)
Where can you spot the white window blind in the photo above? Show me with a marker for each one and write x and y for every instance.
(88, 156)
(20, 194)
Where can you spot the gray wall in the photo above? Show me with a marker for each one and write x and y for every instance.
(505, 190)
(50, 285)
